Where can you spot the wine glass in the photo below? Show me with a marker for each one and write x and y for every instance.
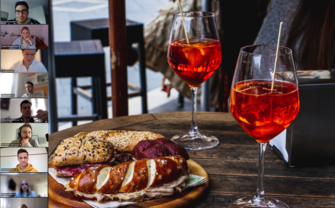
(263, 108)
(194, 54)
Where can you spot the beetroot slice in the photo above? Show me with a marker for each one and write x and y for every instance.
(165, 141)
(176, 149)
(138, 151)
(156, 151)
(157, 148)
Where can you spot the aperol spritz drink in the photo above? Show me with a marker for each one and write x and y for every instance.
(261, 113)
(264, 103)
(194, 54)
(196, 61)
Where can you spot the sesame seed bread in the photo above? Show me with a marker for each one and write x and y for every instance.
(81, 135)
(73, 151)
(123, 141)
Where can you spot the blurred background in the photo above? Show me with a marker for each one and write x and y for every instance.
(143, 11)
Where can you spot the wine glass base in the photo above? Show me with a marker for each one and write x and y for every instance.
(196, 142)
(247, 202)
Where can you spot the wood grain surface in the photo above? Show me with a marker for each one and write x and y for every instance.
(231, 166)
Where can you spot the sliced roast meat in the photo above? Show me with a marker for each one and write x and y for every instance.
(123, 157)
(71, 170)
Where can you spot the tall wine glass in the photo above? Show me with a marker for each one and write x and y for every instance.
(261, 111)
(194, 54)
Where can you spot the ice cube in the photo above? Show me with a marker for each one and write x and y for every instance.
(194, 56)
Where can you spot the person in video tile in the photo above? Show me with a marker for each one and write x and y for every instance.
(30, 91)
(25, 108)
(26, 113)
(24, 136)
(29, 64)
(23, 166)
(23, 206)
(22, 12)
(25, 190)
(25, 41)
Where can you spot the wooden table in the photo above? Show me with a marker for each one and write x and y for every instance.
(232, 165)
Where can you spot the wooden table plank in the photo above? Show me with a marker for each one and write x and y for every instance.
(277, 169)
(283, 186)
(219, 201)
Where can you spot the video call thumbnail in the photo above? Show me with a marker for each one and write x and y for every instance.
(24, 134)
(24, 202)
(24, 27)
(24, 61)
(20, 160)
(24, 37)
(24, 85)
(24, 110)
(24, 12)
(24, 184)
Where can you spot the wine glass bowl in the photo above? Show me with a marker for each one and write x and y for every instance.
(194, 54)
(262, 114)
(195, 62)
(264, 103)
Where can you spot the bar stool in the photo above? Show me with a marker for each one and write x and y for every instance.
(83, 58)
(99, 29)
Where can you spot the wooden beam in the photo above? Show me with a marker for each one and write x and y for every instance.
(117, 40)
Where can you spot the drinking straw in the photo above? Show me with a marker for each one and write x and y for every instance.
(182, 19)
(276, 60)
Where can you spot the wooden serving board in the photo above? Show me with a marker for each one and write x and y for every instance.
(58, 197)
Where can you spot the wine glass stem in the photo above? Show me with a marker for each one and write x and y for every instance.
(260, 196)
(194, 127)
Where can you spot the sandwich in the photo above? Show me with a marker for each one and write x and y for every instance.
(131, 181)
(75, 155)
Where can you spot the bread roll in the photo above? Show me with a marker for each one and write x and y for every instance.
(73, 151)
(123, 141)
(81, 135)
(144, 177)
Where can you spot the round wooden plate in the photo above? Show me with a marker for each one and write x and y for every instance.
(58, 197)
